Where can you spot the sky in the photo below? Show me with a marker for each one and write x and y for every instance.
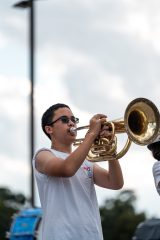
(94, 55)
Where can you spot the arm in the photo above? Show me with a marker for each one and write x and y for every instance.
(111, 178)
(49, 164)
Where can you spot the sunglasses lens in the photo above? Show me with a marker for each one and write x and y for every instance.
(75, 120)
(64, 119)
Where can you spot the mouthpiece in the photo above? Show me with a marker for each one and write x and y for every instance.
(73, 130)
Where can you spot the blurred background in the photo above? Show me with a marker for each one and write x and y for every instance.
(94, 55)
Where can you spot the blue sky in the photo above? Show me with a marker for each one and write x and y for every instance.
(96, 56)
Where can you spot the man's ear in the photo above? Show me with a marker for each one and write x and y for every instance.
(49, 129)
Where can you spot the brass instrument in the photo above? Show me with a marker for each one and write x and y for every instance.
(141, 123)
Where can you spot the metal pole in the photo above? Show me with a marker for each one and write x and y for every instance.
(30, 4)
(32, 97)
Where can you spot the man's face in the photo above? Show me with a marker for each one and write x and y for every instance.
(63, 120)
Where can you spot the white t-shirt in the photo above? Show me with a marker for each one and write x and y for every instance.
(156, 175)
(69, 205)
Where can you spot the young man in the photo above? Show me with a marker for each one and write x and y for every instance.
(155, 149)
(66, 180)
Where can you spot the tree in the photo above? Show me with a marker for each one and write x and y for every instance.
(10, 203)
(119, 218)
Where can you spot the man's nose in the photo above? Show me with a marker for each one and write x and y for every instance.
(71, 123)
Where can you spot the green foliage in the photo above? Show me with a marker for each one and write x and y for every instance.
(10, 203)
(119, 218)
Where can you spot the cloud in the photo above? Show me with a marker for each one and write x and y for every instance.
(101, 47)
(3, 40)
(14, 110)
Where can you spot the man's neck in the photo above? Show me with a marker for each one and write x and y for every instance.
(62, 148)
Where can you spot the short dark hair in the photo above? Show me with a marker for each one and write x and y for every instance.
(155, 149)
(49, 114)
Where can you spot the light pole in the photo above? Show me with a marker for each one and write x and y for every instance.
(30, 4)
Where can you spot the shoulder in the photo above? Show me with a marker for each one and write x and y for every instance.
(156, 165)
(42, 152)
(41, 157)
(156, 168)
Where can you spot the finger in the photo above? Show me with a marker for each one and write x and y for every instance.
(106, 127)
(103, 119)
(99, 116)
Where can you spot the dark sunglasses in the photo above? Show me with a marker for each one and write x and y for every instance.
(65, 119)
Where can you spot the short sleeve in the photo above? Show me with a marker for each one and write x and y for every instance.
(156, 175)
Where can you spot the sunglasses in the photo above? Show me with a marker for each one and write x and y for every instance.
(65, 119)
